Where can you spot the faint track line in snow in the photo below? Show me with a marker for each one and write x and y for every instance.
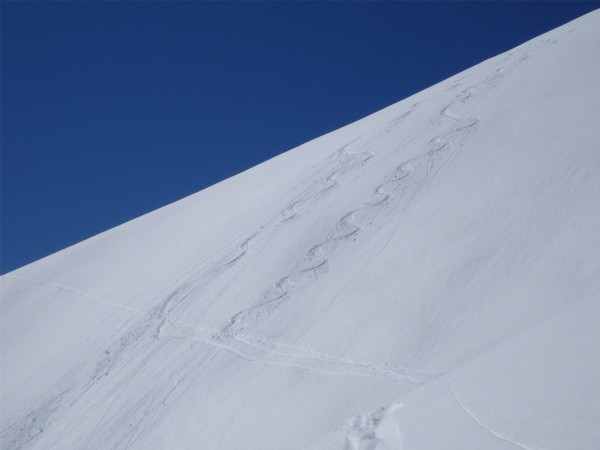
(267, 354)
(77, 292)
(294, 351)
(268, 349)
(501, 436)
(30, 427)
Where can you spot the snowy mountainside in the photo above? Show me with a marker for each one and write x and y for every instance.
(424, 278)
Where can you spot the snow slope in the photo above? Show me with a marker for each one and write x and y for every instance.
(425, 278)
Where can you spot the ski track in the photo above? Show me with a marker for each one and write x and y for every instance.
(408, 173)
(302, 360)
(345, 161)
(74, 291)
(259, 351)
(263, 351)
(501, 436)
(29, 428)
(363, 427)
(26, 430)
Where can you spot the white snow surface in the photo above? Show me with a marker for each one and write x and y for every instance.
(425, 278)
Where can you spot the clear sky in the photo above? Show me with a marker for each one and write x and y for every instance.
(113, 109)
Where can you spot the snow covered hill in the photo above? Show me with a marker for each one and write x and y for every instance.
(425, 278)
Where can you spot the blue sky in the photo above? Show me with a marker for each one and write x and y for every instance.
(113, 109)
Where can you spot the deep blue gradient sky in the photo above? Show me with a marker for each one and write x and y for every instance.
(113, 109)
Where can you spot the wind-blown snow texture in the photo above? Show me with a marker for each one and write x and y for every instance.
(424, 278)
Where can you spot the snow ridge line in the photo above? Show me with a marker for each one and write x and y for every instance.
(501, 436)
